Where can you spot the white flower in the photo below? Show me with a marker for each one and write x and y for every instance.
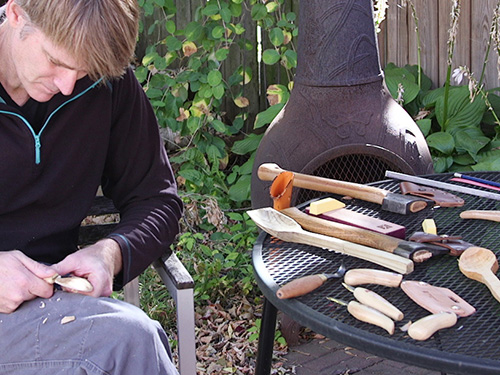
(459, 74)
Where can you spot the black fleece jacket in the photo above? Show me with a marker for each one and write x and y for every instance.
(102, 134)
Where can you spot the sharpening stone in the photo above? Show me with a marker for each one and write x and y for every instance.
(325, 205)
(356, 219)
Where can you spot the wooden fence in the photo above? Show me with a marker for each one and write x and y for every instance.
(398, 41)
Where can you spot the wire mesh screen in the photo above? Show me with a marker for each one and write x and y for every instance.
(359, 168)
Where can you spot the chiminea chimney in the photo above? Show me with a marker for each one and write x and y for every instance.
(340, 121)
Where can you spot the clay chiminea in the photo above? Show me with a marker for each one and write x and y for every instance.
(340, 107)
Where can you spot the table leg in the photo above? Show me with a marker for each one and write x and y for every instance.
(266, 339)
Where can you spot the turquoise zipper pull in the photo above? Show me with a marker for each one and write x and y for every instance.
(38, 145)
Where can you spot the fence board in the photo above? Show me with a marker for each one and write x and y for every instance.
(398, 40)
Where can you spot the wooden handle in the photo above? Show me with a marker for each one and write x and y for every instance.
(376, 301)
(301, 286)
(493, 284)
(368, 315)
(478, 214)
(360, 276)
(424, 328)
(269, 171)
(343, 231)
(382, 258)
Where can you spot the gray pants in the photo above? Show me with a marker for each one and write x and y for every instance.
(106, 337)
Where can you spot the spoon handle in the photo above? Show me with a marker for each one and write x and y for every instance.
(493, 284)
(383, 258)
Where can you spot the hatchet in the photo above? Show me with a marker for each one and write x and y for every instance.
(392, 202)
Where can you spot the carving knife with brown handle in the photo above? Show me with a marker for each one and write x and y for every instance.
(389, 201)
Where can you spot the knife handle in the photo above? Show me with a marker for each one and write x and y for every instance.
(481, 214)
(376, 301)
(369, 315)
(301, 286)
(360, 276)
(424, 328)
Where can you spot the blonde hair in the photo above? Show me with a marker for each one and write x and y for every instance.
(102, 34)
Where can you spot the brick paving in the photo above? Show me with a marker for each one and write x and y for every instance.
(327, 357)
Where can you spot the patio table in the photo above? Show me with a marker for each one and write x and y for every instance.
(472, 346)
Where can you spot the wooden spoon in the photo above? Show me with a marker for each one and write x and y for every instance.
(481, 264)
(287, 229)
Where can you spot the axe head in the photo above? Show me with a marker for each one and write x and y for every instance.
(403, 204)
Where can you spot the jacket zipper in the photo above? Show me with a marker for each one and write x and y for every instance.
(36, 137)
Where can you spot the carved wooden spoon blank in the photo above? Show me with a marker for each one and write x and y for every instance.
(481, 264)
(75, 283)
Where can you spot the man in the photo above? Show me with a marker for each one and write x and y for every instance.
(73, 117)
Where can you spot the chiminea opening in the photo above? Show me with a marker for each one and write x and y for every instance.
(355, 163)
(340, 121)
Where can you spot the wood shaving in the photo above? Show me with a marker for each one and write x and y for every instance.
(68, 319)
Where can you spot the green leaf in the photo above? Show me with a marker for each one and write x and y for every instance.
(210, 10)
(424, 125)
(218, 32)
(240, 191)
(461, 112)
(270, 56)
(470, 141)
(290, 58)
(259, 11)
(442, 163)
(170, 26)
(464, 159)
(276, 36)
(221, 54)
(190, 174)
(193, 31)
(149, 58)
(267, 116)
(218, 126)
(214, 78)
(226, 15)
(247, 145)
(153, 93)
(141, 73)
(396, 76)
(442, 142)
(491, 163)
(193, 124)
(219, 91)
(214, 152)
(172, 43)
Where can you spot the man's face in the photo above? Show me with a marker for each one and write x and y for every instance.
(43, 69)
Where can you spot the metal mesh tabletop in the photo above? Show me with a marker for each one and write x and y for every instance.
(471, 346)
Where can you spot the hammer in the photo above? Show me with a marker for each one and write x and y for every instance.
(392, 202)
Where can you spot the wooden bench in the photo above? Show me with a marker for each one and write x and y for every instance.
(177, 279)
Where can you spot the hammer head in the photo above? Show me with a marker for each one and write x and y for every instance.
(403, 204)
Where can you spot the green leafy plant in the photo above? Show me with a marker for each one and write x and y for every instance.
(197, 74)
(460, 122)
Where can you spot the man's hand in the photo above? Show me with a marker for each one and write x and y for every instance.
(98, 263)
(21, 279)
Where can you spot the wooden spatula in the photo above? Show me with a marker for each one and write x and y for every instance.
(287, 229)
(481, 264)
